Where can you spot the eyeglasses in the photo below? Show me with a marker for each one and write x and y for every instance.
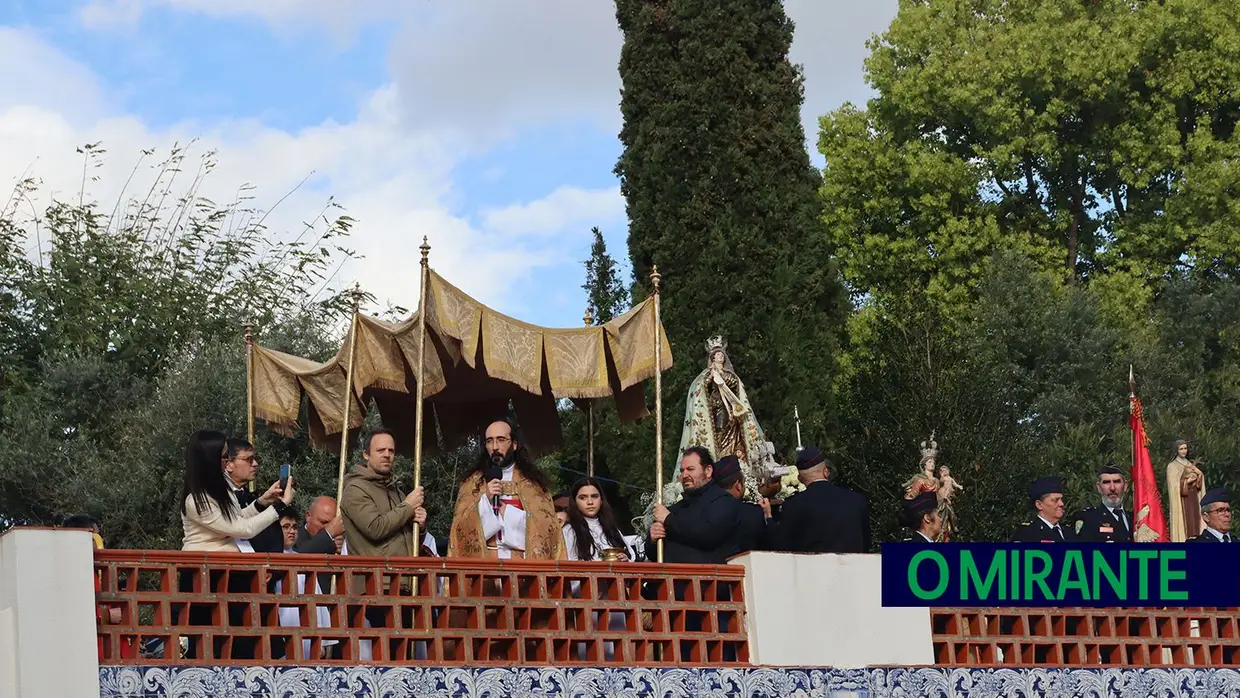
(498, 440)
(288, 527)
(1220, 510)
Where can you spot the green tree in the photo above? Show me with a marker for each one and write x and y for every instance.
(129, 319)
(721, 196)
(625, 478)
(608, 296)
(1093, 136)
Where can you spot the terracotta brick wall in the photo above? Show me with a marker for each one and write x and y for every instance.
(439, 610)
(1087, 637)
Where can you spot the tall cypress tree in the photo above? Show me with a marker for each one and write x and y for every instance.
(607, 294)
(721, 196)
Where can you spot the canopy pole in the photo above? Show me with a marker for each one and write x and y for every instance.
(249, 386)
(655, 278)
(417, 433)
(589, 320)
(348, 395)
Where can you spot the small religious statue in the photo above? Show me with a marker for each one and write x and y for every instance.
(924, 481)
(1186, 485)
(938, 479)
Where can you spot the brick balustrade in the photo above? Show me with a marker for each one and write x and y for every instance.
(423, 610)
(1114, 637)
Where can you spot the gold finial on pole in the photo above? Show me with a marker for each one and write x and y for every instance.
(356, 295)
(421, 371)
(249, 385)
(655, 279)
(589, 321)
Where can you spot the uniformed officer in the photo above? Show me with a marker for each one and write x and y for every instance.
(824, 518)
(1046, 495)
(921, 516)
(1216, 515)
(1108, 522)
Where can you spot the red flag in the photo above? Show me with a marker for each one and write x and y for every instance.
(1149, 523)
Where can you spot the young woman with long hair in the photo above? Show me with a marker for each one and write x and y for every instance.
(591, 526)
(210, 513)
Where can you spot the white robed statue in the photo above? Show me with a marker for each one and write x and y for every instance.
(719, 418)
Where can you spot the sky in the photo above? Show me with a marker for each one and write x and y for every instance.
(489, 127)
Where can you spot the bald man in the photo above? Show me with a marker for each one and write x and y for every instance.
(323, 532)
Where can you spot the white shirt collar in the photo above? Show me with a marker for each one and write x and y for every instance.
(1048, 523)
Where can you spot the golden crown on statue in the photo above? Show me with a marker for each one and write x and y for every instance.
(716, 343)
(929, 449)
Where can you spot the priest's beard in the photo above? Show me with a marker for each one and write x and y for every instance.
(504, 460)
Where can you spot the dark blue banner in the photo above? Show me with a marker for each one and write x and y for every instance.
(1063, 574)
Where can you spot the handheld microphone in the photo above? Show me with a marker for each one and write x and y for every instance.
(494, 472)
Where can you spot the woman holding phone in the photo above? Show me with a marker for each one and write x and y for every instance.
(210, 514)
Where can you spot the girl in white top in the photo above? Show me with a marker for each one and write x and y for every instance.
(210, 514)
(590, 530)
(591, 526)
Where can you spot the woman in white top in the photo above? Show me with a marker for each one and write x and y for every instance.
(590, 530)
(591, 526)
(210, 514)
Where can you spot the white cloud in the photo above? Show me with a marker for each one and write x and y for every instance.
(559, 212)
(333, 15)
(393, 180)
(487, 67)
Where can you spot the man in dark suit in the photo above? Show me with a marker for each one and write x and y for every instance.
(1108, 522)
(752, 533)
(1046, 495)
(1216, 517)
(323, 531)
(825, 518)
(921, 516)
(240, 469)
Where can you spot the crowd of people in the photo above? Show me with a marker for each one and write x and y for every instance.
(505, 509)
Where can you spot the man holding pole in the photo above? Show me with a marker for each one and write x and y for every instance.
(378, 517)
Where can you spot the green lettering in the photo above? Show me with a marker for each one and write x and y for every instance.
(1166, 575)
(944, 577)
(970, 577)
(1073, 565)
(1102, 568)
(1143, 557)
(1015, 578)
(1037, 576)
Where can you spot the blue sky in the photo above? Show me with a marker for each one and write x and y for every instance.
(490, 128)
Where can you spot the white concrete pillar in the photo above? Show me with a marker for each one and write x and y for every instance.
(48, 641)
(827, 611)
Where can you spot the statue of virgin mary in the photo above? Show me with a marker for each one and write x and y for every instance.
(719, 418)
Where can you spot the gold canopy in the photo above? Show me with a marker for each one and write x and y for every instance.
(477, 360)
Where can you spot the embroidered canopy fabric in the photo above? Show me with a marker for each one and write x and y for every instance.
(477, 360)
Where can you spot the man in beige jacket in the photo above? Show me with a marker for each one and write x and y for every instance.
(378, 517)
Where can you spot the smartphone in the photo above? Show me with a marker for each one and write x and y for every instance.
(285, 471)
